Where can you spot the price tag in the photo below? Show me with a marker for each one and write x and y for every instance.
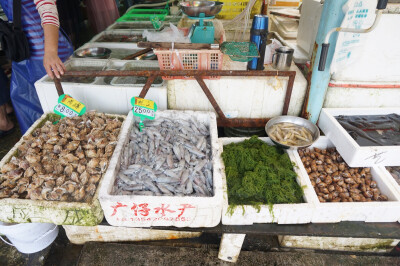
(64, 111)
(144, 109)
(69, 107)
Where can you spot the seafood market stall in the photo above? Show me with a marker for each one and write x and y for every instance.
(110, 175)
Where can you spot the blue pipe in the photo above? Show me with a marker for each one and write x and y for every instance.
(332, 17)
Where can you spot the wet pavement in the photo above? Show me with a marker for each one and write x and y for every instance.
(202, 250)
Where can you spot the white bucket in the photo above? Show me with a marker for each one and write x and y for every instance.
(29, 237)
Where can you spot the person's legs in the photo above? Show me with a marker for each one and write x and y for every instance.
(5, 123)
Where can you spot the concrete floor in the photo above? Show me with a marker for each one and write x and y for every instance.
(196, 251)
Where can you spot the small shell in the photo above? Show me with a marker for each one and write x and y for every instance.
(80, 168)
(103, 164)
(32, 158)
(29, 172)
(91, 153)
(53, 140)
(57, 149)
(58, 169)
(60, 180)
(91, 189)
(84, 178)
(73, 145)
(36, 194)
(68, 170)
(71, 158)
(94, 179)
(101, 143)
(63, 141)
(79, 194)
(93, 163)
(23, 164)
(74, 177)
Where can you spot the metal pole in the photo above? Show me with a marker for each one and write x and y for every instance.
(332, 17)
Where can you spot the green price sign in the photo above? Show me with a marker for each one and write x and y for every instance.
(69, 107)
(144, 109)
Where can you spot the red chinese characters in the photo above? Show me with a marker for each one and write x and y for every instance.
(119, 205)
(184, 207)
(163, 209)
(142, 209)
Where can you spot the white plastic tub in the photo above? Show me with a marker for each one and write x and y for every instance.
(354, 154)
(29, 237)
(184, 211)
(296, 213)
(334, 212)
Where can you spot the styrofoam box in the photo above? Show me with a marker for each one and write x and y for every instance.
(334, 212)
(296, 213)
(79, 235)
(145, 65)
(100, 95)
(354, 154)
(339, 243)
(80, 65)
(56, 212)
(131, 45)
(163, 210)
(389, 177)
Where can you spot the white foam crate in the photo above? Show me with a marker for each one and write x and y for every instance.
(138, 65)
(56, 212)
(296, 213)
(354, 154)
(128, 45)
(79, 235)
(389, 177)
(334, 212)
(80, 64)
(203, 211)
(99, 95)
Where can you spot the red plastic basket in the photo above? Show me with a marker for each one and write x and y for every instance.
(182, 59)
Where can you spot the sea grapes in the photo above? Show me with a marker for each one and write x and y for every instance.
(258, 173)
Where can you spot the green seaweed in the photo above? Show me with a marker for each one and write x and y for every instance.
(259, 174)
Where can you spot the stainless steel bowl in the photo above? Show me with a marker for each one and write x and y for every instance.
(297, 121)
(194, 8)
(94, 52)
